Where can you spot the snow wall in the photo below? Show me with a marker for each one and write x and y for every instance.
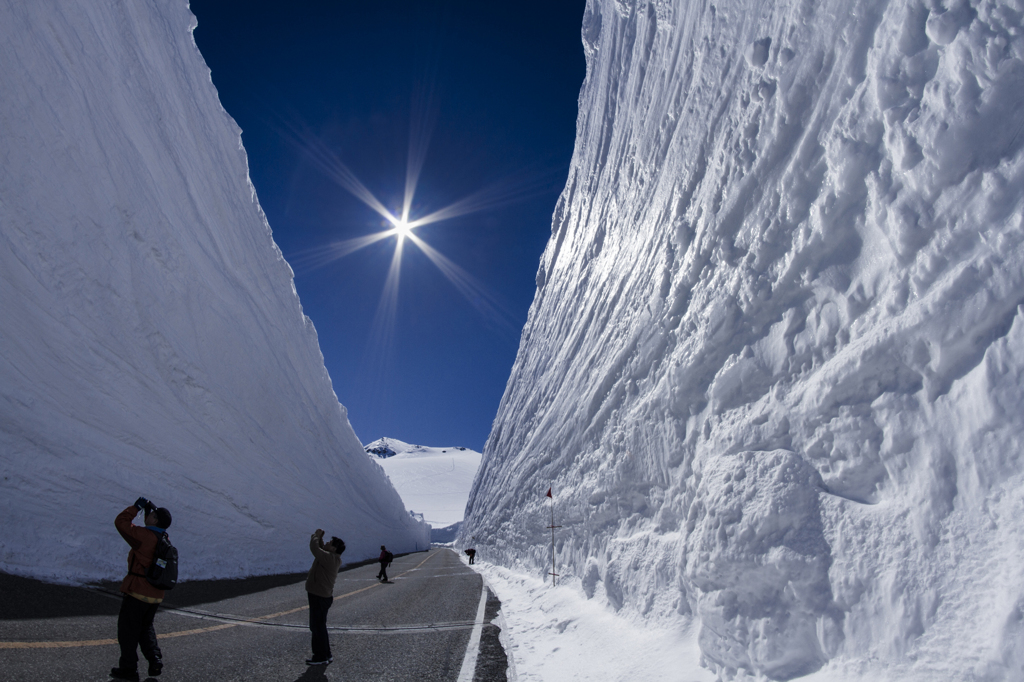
(152, 342)
(775, 362)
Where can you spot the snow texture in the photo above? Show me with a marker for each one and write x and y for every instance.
(152, 341)
(556, 635)
(773, 368)
(434, 482)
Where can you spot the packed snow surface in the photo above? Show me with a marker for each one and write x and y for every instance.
(773, 369)
(432, 481)
(152, 341)
(557, 635)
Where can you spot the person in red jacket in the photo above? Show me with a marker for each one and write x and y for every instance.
(140, 600)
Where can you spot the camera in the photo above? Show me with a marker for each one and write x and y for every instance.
(145, 505)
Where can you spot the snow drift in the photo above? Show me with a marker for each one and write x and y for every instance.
(774, 363)
(152, 342)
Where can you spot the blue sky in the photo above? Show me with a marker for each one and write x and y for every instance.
(330, 91)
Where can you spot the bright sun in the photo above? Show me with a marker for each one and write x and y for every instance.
(402, 229)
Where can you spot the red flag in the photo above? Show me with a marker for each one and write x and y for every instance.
(548, 493)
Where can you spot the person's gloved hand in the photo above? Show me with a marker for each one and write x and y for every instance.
(142, 503)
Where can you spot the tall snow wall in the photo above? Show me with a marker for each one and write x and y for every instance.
(152, 342)
(773, 368)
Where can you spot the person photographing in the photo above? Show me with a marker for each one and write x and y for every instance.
(140, 599)
(320, 589)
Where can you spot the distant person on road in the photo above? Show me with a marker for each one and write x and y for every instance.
(320, 589)
(385, 561)
(471, 553)
(140, 601)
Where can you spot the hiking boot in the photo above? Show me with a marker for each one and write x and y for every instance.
(319, 661)
(124, 674)
(155, 668)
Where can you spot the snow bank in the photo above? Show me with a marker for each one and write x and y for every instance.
(773, 366)
(152, 341)
(555, 634)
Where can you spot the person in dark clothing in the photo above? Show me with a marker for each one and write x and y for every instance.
(471, 553)
(320, 590)
(385, 561)
(140, 600)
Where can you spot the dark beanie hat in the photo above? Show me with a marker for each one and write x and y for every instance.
(163, 518)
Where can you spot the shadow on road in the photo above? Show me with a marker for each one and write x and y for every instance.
(25, 598)
(196, 592)
(313, 674)
(28, 598)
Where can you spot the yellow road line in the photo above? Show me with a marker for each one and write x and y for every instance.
(56, 645)
(183, 633)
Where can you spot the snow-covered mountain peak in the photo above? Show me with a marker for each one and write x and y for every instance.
(385, 447)
(433, 481)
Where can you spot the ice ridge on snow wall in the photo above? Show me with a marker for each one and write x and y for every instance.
(152, 341)
(773, 368)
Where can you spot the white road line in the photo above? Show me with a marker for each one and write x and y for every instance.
(473, 649)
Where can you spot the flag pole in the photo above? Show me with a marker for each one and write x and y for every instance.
(554, 575)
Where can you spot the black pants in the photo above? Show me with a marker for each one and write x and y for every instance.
(318, 608)
(383, 573)
(135, 629)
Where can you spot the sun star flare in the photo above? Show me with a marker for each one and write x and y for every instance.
(402, 228)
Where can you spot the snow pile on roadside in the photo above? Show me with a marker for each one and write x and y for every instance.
(774, 365)
(433, 481)
(555, 634)
(152, 341)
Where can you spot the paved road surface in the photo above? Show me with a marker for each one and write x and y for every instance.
(417, 627)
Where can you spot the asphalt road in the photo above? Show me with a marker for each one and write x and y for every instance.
(416, 627)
